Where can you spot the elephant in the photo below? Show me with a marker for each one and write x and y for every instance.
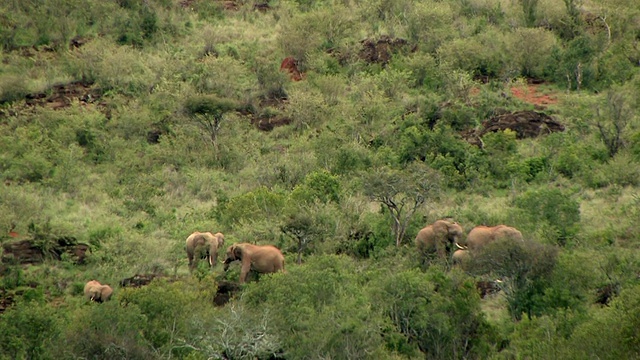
(94, 291)
(203, 244)
(439, 238)
(480, 236)
(259, 258)
(460, 256)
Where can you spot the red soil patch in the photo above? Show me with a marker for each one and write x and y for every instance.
(531, 95)
(290, 65)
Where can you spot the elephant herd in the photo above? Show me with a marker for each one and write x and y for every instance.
(443, 236)
(205, 245)
(259, 258)
(439, 238)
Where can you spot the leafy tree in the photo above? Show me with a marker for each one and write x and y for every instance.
(613, 118)
(401, 192)
(524, 270)
(439, 313)
(208, 111)
(320, 310)
(29, 330)
(301, 226)
(552, 210)
(107, 331)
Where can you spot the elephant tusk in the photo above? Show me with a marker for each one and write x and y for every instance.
(461, 247)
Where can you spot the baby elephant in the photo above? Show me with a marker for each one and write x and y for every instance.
(262, 259)
(94, 291)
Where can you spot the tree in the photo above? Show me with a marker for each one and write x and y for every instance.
(402, 192)
(437, 312)
(208, 111)
(523, 269)
(301, 227)
(612, 119)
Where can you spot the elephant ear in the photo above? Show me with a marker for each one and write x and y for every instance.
(220, 238)
(237, 252)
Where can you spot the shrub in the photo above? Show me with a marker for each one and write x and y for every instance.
(106, 331)
(257, 204)
(438, 313)
(553, 210)
(523, 268)
(167, 308)
(320, 309)
(29, 330)
(318, 186)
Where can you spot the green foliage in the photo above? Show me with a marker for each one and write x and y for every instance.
(167, 308)
(29, 330)
(114, 158)
(571, 65)
(257, 204)
(318, 186)
(500, 149)
(554, 211)
(328, 311)
(106, 331)
(524, 270)
(208, 105)
(609, 333)
(437, 313)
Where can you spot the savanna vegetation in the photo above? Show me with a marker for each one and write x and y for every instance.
(126, 125)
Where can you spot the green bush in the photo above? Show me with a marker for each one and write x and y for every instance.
(167, 308)
(29, 330)
(318, 186)
(524, 270)
(327, 311)
(106, 331)
(553, 210)
(438, 313)
(257, 204)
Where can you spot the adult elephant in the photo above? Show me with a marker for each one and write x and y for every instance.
(259, 258)
(94, 291)
(480, 236)
(203, 245)
(439, 238)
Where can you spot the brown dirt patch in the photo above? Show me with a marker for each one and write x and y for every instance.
(532, 95)
(381, 50)
(34, 252)
(63, 95)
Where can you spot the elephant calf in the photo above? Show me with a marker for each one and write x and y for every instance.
(203, 244)
(94, 291)
(259, 258)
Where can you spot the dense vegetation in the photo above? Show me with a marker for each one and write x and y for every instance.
(126, 125)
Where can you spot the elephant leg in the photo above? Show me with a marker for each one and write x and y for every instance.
(246, 267)
(191, 264)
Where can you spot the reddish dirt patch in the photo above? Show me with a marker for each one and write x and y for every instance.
(290, 65)
(531, 95)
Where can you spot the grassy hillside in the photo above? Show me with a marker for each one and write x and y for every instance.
(334, 130)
